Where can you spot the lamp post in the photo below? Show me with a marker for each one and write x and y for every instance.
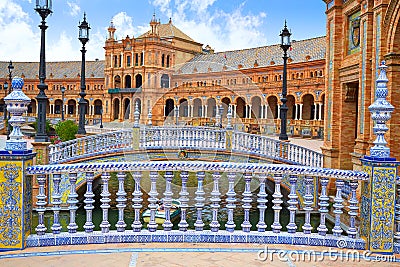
(5, 86)
(285, 45)
(43, 8)
(62, 107)
(10, 68)
(84, 38)
(101, 118)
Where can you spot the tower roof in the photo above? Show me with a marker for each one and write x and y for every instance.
(169, 31)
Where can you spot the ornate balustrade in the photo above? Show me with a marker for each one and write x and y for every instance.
(202, 138)
(92, 145)
(196, 138)
(205, 193)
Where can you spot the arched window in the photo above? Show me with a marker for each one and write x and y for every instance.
(128, 81)
(117, 81)
(138, 79)
(164, 81)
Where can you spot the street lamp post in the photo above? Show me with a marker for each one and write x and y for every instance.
(101, 118)
(285, 45)
(10, 68)
(84, 38)
(62, 108)
(5, 86)
(43, 8)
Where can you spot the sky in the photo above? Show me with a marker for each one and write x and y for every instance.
(222, 24)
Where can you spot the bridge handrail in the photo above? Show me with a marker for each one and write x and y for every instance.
(197, 166)
(186, 137)
(189, 137)
(90, 145)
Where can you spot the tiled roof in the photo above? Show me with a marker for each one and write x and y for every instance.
(169, 30)
(54, 70)
(313, 48)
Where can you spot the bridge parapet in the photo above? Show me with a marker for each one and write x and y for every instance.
(198, 199)
(186, 137)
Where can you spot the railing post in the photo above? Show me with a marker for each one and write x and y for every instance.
(378, 194)
(229, 131)
(15, 185)
(136, 129)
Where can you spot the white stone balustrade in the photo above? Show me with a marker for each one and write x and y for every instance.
(246, 230)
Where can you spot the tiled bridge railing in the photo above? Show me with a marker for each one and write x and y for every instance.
(279, 175)
(197, 138)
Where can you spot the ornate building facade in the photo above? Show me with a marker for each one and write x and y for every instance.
(360, 34)
(168, 73)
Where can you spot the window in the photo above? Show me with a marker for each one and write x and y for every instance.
(128, 61)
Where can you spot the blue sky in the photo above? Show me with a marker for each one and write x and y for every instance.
(222, 24)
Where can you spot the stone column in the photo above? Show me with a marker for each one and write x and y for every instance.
(320, 111)
(300, 111)
(315, 111)
(16, 210)
(378, 199)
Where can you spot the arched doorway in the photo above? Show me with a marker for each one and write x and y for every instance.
(116, 109)
(226, 101)
(308, 107)
(71, 107)
(291, 107)
(256, 107)
(117, 81)
(128, 81)
(240, 107)
(197, 107)
(127, 109)
(272, 112)
(138, 80)
(98, 105)
(58, 106)
(169, 107)
(183, 108)
(211, 107)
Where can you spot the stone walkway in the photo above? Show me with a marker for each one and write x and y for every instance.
(192, 254)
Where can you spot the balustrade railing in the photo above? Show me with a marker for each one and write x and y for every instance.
(196, 138)
(211, 202)
(90, 146)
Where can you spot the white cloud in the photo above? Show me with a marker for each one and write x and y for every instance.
(208, 25)
(74, 9)
(16, 34)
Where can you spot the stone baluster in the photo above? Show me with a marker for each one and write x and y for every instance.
(199, 224)
(262, 201)
(215, 200)
(137, 202)
(397, 211)
(353, 207)
(121, 200)
(56, 227)
(323, 206)
(246, 202)
(276, 226)
(338, 205)
(308, 201)
(292, 227)
(41, 205)
(183, 225)
(105, 202)
(231, 199)
(152, 225)
(72, 201)
(168, 201)
(89, 226)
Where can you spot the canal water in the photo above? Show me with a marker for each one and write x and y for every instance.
(191, 212)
